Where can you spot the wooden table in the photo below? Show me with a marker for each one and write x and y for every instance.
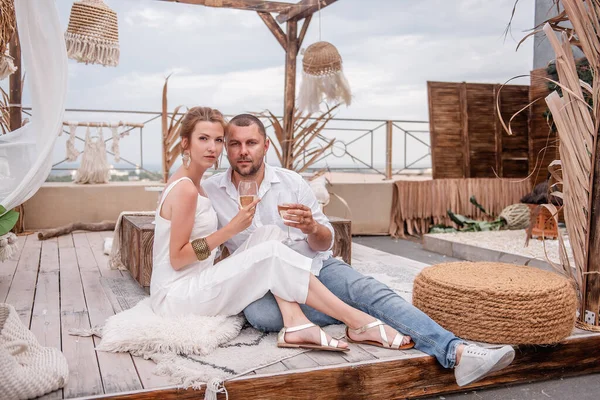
(137, 239)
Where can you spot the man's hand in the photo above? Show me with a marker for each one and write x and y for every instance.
(300, 216)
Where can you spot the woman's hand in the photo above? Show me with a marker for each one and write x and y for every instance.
(244, 217)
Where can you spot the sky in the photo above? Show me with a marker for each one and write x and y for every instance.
(228, 59)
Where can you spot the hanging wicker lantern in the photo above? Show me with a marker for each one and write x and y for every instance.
(7, 29)
(322, 77)
(93, 33)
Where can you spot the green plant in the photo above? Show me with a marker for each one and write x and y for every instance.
(8, 220)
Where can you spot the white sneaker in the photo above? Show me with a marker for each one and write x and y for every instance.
(476, 362)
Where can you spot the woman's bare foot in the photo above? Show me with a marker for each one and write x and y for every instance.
(373, 334)
(309, 336)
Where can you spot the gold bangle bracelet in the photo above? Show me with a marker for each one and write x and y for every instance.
(201, 249)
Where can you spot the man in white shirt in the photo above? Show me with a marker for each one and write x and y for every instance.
(247, 144)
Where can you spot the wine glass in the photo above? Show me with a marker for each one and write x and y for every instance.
(283, 205)
(247, 192)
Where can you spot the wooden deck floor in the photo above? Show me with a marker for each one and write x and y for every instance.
(55, 286)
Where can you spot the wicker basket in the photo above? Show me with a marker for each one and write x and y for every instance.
(93, 34)
(542, 223)
(517, 216)
(497, 303)
(321, 58)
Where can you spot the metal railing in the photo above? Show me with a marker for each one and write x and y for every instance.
(385, 147)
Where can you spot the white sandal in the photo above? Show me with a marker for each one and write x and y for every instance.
(384, 341)
(332, 346)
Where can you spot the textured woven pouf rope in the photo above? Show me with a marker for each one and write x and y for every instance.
(497, 303)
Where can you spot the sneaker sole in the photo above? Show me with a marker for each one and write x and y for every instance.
(505, 358)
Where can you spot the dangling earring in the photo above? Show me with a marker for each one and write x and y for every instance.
(218, 161)
(186, 159)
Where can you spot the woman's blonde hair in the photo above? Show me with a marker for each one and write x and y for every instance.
(199, 114)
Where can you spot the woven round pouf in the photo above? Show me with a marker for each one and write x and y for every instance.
(497, 303)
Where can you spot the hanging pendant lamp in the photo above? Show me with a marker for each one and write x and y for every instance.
(92, 36)
(322, 77)
(7, 28)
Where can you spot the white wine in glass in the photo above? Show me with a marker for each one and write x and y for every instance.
(282, 207)
(247, 192)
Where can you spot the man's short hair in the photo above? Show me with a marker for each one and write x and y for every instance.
(248, 120)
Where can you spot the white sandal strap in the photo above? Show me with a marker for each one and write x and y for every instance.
(364, 328)
(299, 327)
(384, 339)
(323, 338)
(397, 341)
(333, 342)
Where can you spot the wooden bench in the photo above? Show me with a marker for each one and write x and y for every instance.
(137, 239)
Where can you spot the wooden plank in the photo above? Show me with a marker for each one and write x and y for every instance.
(65, 241)
(274, 28)
(8, 268)
(84, 372)
(357, 354)
(85, 257)
(326, 357)
(22, 288)
(117, 369)
(414, 377)
(251, 5)
(277, 367)
(303, 9)
(299, 362)
(45, 320)
(96, 241)
(145, 369)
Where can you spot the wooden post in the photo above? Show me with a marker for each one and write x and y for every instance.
(591, 281)
(15, 84)
(14, 110)
(498, 132)
(464, 120)
(289, 96)
(388, 149)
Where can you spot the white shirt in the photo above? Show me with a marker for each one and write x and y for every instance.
(224, 197)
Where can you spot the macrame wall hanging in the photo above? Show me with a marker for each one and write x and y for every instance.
(322, 76)
(94, 166)
(92, 36)
(7, 29)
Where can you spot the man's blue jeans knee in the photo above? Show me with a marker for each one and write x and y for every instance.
(374, 298)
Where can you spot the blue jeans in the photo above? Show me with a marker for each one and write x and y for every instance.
(372, 297)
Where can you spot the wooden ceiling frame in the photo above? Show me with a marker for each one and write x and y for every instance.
(289, 39)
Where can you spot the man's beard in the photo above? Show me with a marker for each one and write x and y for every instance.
(253, 169)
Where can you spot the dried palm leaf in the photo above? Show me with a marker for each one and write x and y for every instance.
(170, 133)
(300, 154)
(577, 124)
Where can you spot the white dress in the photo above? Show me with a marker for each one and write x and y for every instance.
(226, 288)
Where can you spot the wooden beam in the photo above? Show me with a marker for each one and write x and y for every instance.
(289, 95)
(421, 376)
(250, 5)
(303, 31)
(303, 9)
(274, 28)
(464, 121)
(15, 84)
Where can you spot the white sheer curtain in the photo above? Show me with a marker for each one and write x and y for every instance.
(26, 153)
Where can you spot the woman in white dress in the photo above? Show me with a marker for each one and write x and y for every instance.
(185, 279)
